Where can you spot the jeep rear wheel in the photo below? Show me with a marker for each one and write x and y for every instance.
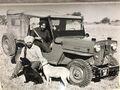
(8, 44)
(80, 72)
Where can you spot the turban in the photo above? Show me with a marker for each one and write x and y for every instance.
(28, 39)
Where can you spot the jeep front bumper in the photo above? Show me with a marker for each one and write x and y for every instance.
(105, 71)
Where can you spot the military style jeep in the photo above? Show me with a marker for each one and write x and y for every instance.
(85, 57)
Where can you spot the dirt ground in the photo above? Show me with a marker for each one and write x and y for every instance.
(98, 31)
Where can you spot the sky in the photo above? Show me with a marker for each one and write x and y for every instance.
(40, 1)
(91, 11)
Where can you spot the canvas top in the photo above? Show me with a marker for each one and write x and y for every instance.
(42, 13)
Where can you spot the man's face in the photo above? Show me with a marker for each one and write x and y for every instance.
(43, 26)
(29, 44)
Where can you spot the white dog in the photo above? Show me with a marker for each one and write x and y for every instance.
(57, 72)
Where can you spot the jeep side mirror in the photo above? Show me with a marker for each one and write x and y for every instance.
(87, 35)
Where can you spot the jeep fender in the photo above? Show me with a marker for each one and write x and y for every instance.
(68, 56)
(78, 53)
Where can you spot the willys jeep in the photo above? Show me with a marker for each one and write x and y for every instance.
(85, 57)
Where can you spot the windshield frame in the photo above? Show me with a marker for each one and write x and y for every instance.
(63, 33)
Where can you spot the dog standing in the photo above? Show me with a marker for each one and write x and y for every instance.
(57, 72)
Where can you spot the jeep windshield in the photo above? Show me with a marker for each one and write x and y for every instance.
(67, 27)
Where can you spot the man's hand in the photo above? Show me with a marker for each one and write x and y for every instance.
(39, 38)
(51, 45)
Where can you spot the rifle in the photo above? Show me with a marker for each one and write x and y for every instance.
(38, 35)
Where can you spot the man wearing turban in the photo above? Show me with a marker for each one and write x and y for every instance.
(32, 53)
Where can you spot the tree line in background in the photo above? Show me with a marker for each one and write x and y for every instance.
(105, 20)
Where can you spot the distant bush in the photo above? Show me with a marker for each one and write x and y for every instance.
(96, 22)
(76, 14)
(116, 20)
(105, 20)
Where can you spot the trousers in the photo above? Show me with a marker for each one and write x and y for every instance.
(34, 65)
(44, 46)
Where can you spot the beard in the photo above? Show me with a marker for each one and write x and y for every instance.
(43, 29)
(29, 46)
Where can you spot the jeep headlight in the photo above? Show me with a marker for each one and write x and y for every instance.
(97, 47)
(114, 46)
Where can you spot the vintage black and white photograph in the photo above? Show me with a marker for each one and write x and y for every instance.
(59, 44)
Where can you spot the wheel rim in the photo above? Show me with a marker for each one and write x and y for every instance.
(77, 74)
(6, 45)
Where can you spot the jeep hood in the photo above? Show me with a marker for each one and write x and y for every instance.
(78, 44)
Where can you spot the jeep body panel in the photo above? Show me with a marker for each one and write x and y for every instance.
(70, 45)
(78, 45)
(18, 25)
(54, 56)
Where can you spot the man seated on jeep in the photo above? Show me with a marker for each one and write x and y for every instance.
(42, 37)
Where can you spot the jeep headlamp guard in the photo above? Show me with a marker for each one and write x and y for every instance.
(97, 47)
(114, 46)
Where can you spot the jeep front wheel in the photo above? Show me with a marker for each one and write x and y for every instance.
(8, 44)
(80, 73)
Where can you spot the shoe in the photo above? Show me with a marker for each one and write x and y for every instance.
(26, 81)
(35, 83)
(12, 77)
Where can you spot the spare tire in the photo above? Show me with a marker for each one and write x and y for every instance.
(9, 44)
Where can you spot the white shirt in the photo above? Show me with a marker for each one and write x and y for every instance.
(34, 54)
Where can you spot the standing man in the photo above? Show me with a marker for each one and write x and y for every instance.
(42, 37)
(32, 53)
